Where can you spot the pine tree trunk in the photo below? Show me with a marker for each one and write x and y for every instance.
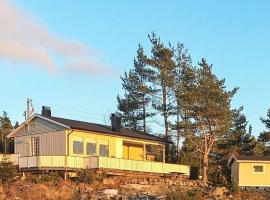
(177, 131)
(205, 166)
(164, 109)
(144, 116)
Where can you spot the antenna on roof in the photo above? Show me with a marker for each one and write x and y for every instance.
(30, 109)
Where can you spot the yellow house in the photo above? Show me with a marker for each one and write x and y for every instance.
(52, 143)
(250, 171)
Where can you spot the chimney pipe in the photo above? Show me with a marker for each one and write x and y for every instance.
(116, 122)
(46, 111)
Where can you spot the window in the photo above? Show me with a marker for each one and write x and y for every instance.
(77, 147)
(91, 149)
(154, 152)
(104, 150)
(35, 146)
(258, 168)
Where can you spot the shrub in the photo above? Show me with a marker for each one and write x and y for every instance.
(194, 173)
(183, 195)
(86, 176)
(232, 187)
(31, 177)
(7, 169)
(50, 177)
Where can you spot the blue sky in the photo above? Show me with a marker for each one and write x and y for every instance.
(102, 37)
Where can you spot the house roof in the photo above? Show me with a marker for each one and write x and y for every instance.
(87, 126)
(243, 158)
(252, 158)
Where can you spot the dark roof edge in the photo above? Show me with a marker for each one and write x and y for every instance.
(154, 137)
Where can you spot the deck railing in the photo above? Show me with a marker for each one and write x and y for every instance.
(96, 162)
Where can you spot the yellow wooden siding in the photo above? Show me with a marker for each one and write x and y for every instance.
(248, 178)
(133, 151)
(115, 143)
(125, 152)
(52, 161)
(136, 152)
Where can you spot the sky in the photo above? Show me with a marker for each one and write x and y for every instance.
(69, 54)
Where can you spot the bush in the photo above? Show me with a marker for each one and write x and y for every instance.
(183, 195)
(232, 187)
(194, 173)
(50, 177)
(7, 170)
(178, 195)
(86, 176)
(31, 177)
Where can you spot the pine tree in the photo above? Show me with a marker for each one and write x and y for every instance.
(239, 136)
(5, 129)
(16, 125)
(184, 81)
(236, 141)
(134, 106)
(162, 64)
(264, 137)
(211, 111)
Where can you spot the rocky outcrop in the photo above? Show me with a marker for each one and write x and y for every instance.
(2, 194)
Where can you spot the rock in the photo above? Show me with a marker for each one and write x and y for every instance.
(1, 189)
(84, 196)
(2, 196)
(110, 192)
(217, 192)
(170, 183)
(119, 197)
(162, 197)
(108, 181)
(230, 196)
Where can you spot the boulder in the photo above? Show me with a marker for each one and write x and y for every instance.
(108, 181)
(217, 192)
(110, 192)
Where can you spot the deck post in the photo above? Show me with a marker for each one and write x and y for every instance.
(163, 154)
(144, 152)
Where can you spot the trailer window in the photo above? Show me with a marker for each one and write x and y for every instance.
(258, 168)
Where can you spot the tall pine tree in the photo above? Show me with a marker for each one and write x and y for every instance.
(5, 128)
(210, 110)
(184, 82)
(162, 64)
(134, 106)
(264, 137)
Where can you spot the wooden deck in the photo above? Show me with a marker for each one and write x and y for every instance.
(97, 162)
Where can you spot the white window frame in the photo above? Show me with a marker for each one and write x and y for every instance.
(261, 165)
(35, 146)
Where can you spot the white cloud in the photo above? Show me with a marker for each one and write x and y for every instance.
(87, 67)
(25, 40)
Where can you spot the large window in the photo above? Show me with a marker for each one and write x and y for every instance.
(104, 150)
(77, 147)
(35, 146)
(154, 152)
(91, 148)
(258, 168)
